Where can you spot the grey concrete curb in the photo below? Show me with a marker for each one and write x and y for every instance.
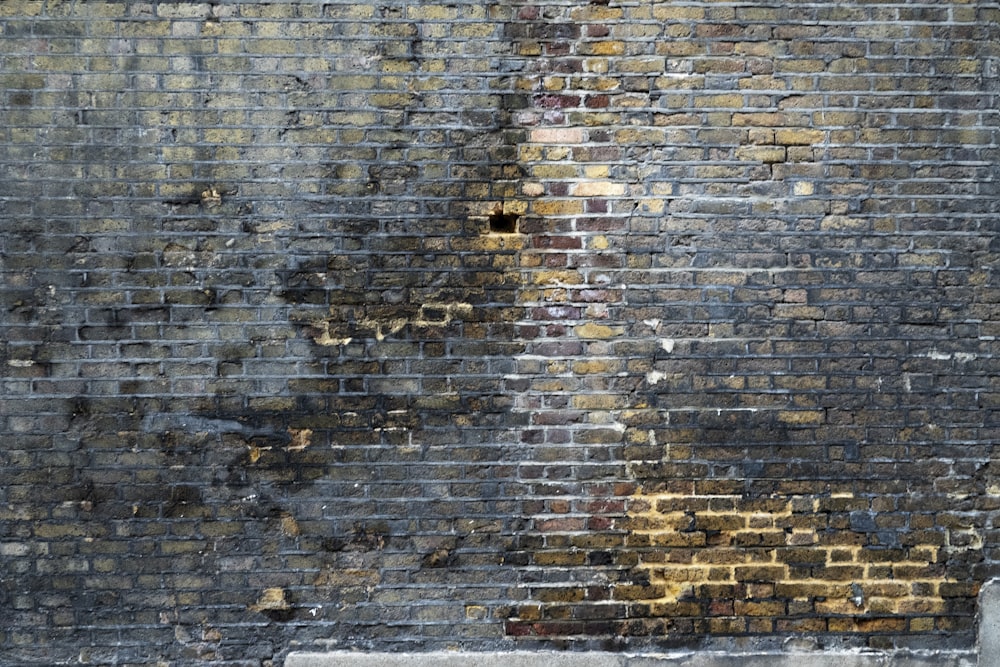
(989, 624)
(591, 659)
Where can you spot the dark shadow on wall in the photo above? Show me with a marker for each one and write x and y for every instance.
(270, 363)
(377, 449)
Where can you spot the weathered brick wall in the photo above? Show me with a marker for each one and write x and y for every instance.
(406, 324)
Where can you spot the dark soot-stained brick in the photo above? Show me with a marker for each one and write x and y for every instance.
(408, 325)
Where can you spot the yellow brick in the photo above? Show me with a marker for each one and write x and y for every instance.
(142, 28)
(802, 65)
(530, 153)
(800, 416)
(726, 101)
(796, 312)
(599, 402)
(760, 119)
(473, 31)
(600, 83)
(557, 135)
(228, 136)
(798, 137)
(533, 189)
(611, 48)
(598, 243)
(840, 222)
(599, 189)
(645, 64)
(592, 330)
(596, 366)
(766, 154)
(432, 12)
(838, 607)
(670, 12)
(391, 100)
(760, 136)
(557, 207)
(557, 277)
(803, 188)
(763, 82)
(553, 83)
(596, 12)
(21, 9)
(656, 206)
(597, 171)
(640, 136)
(352, 118)
(557, 153)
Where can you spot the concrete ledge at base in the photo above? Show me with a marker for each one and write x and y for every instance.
(591, 659)
(989, 624)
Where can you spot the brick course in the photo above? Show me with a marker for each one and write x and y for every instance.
(587, 325)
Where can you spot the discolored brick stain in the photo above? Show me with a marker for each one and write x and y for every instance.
(732, 565)
(415, 326)
(280, 336)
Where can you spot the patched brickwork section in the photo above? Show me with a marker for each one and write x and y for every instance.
(576, 324)
(730, 565)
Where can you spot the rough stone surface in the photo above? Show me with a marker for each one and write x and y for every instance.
(586, 325)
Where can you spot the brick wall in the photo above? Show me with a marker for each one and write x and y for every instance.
(589, 325)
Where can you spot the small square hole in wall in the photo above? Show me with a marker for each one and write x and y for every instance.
(503, 223)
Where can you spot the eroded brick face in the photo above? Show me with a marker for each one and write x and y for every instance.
(588, 325)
